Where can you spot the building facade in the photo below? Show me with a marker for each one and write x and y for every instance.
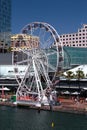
(24, 41)
(5, 24)
(74, 56)
(78, 39)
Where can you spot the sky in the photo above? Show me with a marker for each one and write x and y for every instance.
(66, 16)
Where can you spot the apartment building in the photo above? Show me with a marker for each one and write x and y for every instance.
(78, 39)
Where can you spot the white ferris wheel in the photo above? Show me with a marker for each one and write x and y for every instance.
(38, 52)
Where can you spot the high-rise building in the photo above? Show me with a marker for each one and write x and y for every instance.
(5, 24)
(78, 39)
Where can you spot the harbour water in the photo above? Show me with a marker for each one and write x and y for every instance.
(29, 119)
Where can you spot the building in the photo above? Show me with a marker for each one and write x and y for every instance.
(74, 56)
(5, 24)
(6, 59)
(24, 41)
(78, 39)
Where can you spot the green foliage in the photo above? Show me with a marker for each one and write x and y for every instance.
(79, 74)
(9, 49)
(69, 75)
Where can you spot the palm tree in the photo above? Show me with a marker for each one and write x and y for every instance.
(69, 76)
(79, 75)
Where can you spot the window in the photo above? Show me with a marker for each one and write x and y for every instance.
(83, 33)
(10, 71)
(80, 34)
(83, 30)
(85, 26)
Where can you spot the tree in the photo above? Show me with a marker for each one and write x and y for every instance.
(9, 49)
(69, 76)
(79, 75)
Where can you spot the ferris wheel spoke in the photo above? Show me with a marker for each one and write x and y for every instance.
(41, 33)
(51, 53)
(42, 38)
(24, 61)
(50, 66)
(40, 68)
(47, 67)
(45, 63)
(48, 42)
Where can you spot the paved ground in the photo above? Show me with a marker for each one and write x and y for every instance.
(71, 105)
(66, 105)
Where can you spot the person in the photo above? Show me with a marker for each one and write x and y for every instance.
(38, 109)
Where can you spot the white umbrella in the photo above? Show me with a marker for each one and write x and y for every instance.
(75, 93)
(66, 92)
(4, 88)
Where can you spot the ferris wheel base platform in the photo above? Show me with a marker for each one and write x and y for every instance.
(31, 103)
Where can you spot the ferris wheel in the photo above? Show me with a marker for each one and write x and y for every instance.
(37, 56)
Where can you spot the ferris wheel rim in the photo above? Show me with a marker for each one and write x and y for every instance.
(47, 25)
(54, 34)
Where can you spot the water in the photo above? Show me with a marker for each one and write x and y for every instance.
(28, 119)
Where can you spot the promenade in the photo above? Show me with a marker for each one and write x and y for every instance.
(72, 106)
(66, 105)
